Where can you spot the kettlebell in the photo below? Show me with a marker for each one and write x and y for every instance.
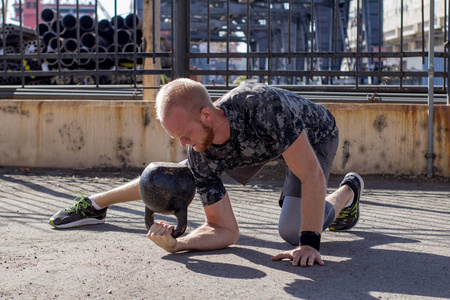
(168, 189)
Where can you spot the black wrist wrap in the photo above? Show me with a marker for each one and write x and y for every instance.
(310, 238)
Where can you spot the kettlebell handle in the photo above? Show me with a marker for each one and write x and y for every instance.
(181, 218)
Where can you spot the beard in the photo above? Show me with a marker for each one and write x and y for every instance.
(200, 147)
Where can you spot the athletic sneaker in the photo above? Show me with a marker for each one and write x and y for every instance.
(79, 214)
(349, 216)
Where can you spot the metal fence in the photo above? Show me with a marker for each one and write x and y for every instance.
(315, 45)
(76, 48)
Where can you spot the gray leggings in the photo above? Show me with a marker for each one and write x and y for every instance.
(290, 217)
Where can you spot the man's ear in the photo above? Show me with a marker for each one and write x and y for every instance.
(205, 115)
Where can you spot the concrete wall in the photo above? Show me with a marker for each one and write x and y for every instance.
(83, 134)
(374, 138)
(390, 138)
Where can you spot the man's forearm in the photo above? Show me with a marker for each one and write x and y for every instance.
(313, 204)
(219, 231)
(206, 237)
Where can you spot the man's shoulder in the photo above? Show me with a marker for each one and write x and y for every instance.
(247, 95)
(256, 89)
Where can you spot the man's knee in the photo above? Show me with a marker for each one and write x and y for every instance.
(290, 220)
(288, 233)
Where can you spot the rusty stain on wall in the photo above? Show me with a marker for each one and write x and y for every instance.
(72, 135)
(362, 149)
(147, 117)
(49, 117)
(345, 154)
(442, 140)
(380, 123)
(123, 150)
(15, 110)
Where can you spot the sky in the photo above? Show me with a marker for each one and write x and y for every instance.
(123, 7)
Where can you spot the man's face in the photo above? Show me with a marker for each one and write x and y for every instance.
(188, 130)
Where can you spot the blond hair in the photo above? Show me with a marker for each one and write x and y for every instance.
(188, 94)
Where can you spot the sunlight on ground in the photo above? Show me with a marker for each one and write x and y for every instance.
(381, 295)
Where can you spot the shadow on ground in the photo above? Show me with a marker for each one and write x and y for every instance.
(367, 269)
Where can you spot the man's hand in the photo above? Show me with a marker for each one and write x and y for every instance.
(303, 255)
(161, 235)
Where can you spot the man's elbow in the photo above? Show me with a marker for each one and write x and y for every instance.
(231, 236)
(234, 236)
(318, 176)
(225, 235)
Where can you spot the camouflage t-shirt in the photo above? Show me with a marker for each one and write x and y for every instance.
(264, 122)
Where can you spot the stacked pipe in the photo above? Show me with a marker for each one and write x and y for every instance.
(11, 34)
(74, 36)
(68, 39)
(16, 40)
(9, 66)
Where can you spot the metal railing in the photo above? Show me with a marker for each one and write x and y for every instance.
(297, 44)
(75, 49)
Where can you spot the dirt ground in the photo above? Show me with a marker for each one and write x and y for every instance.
(399, 250)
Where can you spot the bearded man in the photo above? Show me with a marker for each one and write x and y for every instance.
(238, 134)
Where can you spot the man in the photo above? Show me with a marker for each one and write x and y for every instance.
(248, 127)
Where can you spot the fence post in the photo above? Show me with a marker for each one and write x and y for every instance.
(448, 54)
(181, 39)
(151, 36)
(430, 155)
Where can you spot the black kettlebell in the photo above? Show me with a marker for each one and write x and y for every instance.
(168, 189)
